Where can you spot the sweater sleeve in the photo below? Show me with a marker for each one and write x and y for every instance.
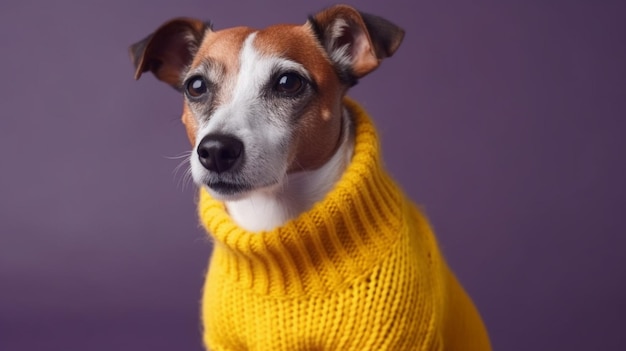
(462, 321)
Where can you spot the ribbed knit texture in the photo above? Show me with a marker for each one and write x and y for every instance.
(359, 271)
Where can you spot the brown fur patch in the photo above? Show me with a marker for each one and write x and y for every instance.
(224, 47)
(190, 123)
(318, 132)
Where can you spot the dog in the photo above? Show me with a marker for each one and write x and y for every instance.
(315, 247)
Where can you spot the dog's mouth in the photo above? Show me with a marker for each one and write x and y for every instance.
(235, 191)
(228, 188)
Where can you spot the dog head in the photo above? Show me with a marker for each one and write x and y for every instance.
(260, 104)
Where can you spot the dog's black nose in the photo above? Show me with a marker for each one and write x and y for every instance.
(219, 152)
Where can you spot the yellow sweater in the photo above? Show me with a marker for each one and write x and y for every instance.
(359, 271)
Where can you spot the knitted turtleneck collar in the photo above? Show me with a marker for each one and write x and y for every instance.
(325, 248)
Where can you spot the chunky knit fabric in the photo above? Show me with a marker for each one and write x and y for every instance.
(359, 271)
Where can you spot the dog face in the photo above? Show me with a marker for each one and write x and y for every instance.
(260, 104)
(251, 96)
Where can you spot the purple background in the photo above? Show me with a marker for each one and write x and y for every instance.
(505, 119)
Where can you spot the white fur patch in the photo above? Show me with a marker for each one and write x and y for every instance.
(263, 133)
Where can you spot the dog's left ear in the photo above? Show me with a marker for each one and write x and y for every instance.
(356, 42)
(169, 50)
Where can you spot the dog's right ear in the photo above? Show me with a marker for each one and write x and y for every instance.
(169, 50)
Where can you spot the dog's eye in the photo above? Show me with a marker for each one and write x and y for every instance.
(196, 87)
(289, 83)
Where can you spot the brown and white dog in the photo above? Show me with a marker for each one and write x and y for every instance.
(263, 108)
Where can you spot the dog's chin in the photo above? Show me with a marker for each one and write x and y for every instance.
(226, 191)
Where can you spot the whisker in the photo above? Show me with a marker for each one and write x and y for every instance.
(180, 165)
(298, 164)
(185, 154)
(187, 178)
(184, 164)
